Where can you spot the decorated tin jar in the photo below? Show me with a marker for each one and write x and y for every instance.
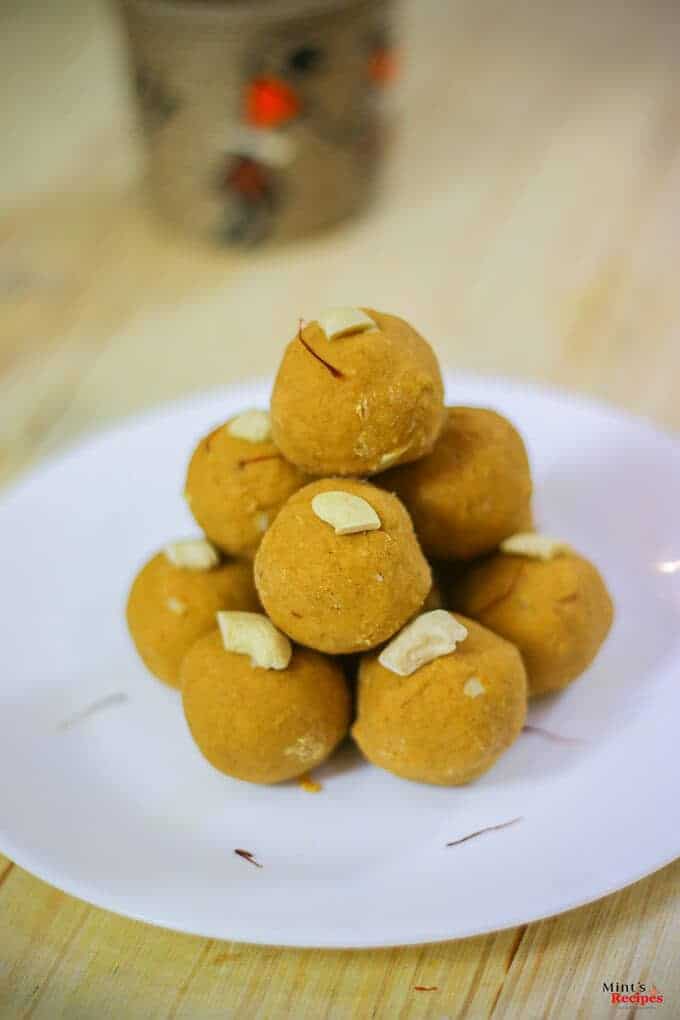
(265, 119)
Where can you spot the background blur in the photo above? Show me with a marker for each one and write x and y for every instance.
(528, 224)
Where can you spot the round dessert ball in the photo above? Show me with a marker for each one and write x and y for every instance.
(472, 491)
(557, 611)
(170, 607)
(236, 485)
(341, 593)
(358, 403)
(263, 725)
(450, 720)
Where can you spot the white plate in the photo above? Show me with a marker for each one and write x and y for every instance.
(120, 808)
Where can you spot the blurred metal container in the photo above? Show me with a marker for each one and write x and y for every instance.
(264, 118)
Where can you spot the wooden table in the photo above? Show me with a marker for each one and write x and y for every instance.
(529, 224)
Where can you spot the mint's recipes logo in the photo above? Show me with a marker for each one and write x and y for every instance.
(632, 996)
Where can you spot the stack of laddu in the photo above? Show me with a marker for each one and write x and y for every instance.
(325, 522)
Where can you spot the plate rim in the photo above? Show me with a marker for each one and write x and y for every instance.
(71, 889)
(52, 457)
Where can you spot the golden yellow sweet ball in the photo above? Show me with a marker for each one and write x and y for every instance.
(557, 611)
(237, 481)
(263, 725)
(472, 491)
(357, 401)
(341, 592)
(451, 719)
(169, 607)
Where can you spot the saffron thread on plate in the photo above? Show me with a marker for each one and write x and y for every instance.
(97, 706)
(488, 828)
(247, 856)
(425, 988)
(558, 738)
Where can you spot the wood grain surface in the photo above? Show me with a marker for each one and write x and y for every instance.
(529, 224)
